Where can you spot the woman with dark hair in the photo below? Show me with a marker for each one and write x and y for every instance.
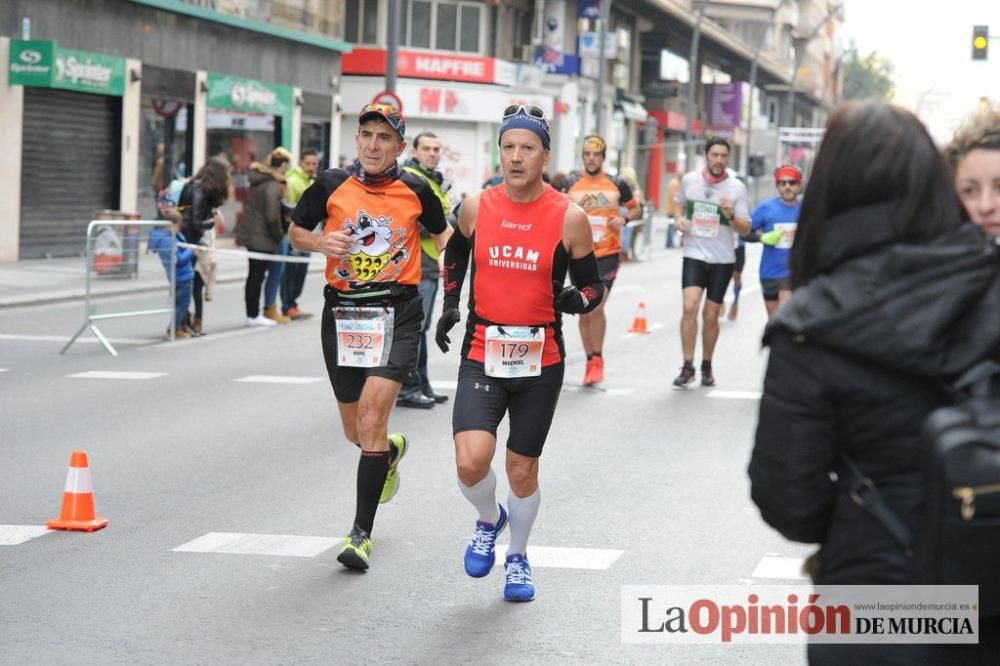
(895, 296)
(199, 203)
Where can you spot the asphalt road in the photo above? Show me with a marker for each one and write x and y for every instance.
(641, 484)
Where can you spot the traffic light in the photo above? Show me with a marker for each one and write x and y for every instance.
(980, 42)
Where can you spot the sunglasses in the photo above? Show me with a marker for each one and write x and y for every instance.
(788, 183)
(524, 109)
(387, 110)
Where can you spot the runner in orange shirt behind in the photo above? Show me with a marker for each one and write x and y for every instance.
(609, 204)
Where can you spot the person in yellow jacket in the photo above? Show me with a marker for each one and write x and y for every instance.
(417, 391)
(294, 277)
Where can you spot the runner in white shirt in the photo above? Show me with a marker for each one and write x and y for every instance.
(712, 212)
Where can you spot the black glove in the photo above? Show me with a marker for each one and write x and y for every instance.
(568, 299)
(449, 318)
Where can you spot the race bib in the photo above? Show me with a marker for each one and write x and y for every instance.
(598, 227)
(787, 230)
(364, 336)
(514, 351)
(705, 219)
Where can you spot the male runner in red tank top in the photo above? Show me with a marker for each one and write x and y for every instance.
(523, 237)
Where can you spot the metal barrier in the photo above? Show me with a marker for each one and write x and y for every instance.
(112, 250)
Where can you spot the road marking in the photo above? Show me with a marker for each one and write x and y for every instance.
(734, 395)
(14, 535)
(651, 328)
(277, 379)
(444, 384)
(66, 338)
(780, 568)
(114, 374)
(235, 543)
(566, 558)
(630, 288)
(4, 369)
(566, 388)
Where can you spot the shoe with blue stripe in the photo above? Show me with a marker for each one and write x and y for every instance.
(480, 554)
(519, 586)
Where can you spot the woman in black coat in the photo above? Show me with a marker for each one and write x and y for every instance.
(895, 295)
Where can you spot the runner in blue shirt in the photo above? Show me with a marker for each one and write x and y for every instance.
(774, 223)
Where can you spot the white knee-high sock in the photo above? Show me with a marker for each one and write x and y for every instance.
(522, 517)
(483, 496)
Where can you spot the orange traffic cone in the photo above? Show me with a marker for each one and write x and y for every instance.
(639, 324)
(78, 499)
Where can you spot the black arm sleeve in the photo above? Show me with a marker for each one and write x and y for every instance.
(624, 192)
(586, 277)
(456, 263)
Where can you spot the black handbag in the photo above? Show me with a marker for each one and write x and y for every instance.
(960, 542)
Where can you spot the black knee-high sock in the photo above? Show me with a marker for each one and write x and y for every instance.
(373, 467)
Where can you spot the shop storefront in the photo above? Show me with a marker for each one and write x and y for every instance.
(245, 120)
(458, 97)
(166, 141)
(72, 128)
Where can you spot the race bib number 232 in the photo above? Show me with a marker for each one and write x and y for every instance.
(364, 336)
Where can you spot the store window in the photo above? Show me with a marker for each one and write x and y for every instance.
(445, 25)
(164, 149)
(242, 138)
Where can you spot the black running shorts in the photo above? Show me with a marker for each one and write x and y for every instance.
(408, 319)
(713, 278)
(770, 288)
(607, 268)
(482, 401)
(741, 259)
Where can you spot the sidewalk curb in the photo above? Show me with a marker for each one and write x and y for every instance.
(79, 294)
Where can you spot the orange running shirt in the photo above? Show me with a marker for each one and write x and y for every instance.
(601, 196)
(385, 220)
(517, 252)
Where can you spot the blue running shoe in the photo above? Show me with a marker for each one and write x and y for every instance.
(519, 586)
(480, 555)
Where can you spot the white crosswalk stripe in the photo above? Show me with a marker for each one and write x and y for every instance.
(779, 568)
(115, 374)
(734, 395)
(278, 379)
(15, 535)
(236, 543)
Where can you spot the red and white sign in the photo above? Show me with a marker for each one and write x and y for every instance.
(430, 65)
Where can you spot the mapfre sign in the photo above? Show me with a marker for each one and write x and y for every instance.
(428, 65)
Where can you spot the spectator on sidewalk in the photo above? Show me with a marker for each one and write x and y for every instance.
(199, 208)
(261, 229)
(974, 157)
(417, 391)
(294, 278)
(628, 231)
(159, 242)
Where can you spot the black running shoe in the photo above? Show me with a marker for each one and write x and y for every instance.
(686, 376)
(707, 378)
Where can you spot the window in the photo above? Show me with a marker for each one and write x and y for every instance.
(521, 20)
(361, 17)
(470, 28)
(447, 25)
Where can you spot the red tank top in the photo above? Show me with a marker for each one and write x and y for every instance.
(513, 252)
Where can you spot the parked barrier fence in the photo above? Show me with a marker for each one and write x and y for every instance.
(112, 249)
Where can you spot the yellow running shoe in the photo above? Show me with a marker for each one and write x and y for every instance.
(356, 551)
(397, 448)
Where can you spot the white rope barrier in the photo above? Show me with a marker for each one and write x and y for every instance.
(246, 254)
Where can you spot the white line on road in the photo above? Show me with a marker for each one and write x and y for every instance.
(451, 385)
(277, 379)
(630, 288)
(651, 328)
(779, 568)
(114, 374)
(234, 543)
(4, 369)
(65, 338)
(567, 558)
(14, 535)
(735, 395)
